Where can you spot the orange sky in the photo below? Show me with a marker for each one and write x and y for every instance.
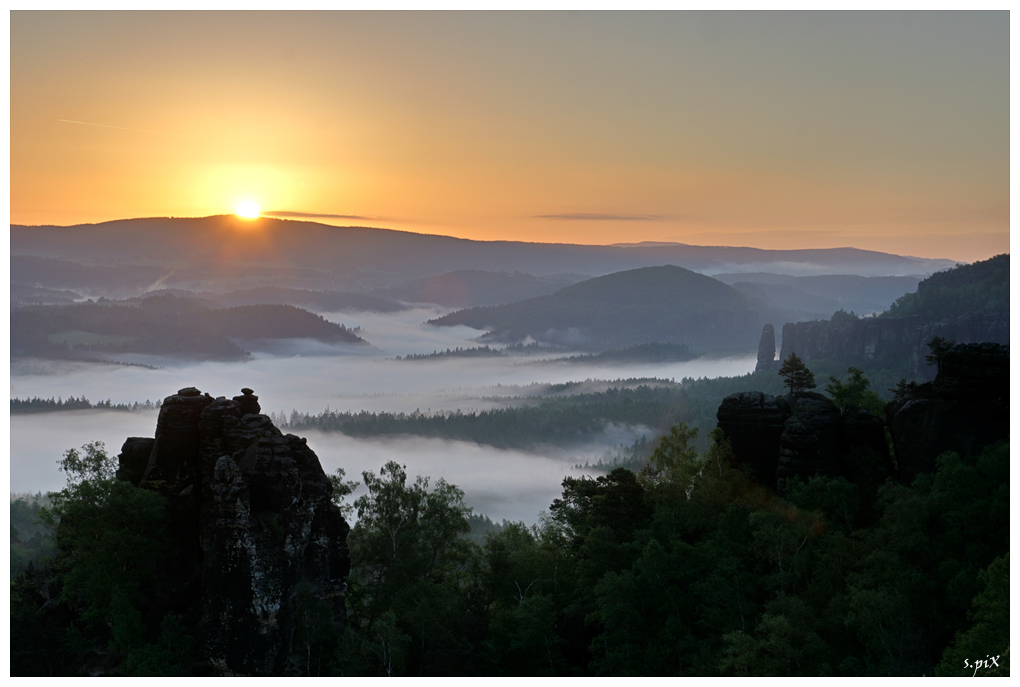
(882, 131)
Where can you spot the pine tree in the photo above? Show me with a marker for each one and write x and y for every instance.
(798, 377)
(938, 347)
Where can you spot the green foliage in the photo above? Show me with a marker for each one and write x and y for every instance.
(983, 285)
(675, 465)
(341, 489)
(854, 393)
(315, 635)
(31, 538)
(689, 568)
(49, 405)
(409, 562)
(406, 531)
(560, 421)
(796, 375)
(842, 318)
(110, 539)
(989, 632)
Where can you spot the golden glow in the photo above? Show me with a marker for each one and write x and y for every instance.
(247, 209)
(477, 126)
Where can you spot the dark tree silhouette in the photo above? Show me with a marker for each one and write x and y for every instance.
(796, 375)
(938, 347)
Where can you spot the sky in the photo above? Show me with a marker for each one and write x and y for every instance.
(885, 131)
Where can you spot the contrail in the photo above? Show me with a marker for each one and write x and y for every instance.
(142, 131)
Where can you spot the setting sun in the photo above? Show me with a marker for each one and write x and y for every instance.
(247, 209)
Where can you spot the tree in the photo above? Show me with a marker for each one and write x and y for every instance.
(110, 538)
(853, 393)
(675, 465)
(796, 374)
(409, 558)
(342, 488)
(938, 347)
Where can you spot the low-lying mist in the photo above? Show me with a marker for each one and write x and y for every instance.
(309, 377)
(502, 484)
(39, 441)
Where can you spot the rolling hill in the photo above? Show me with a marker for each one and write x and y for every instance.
(162, 325)
(224, 253)
(666, 304)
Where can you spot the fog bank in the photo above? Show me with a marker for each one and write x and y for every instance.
(509, 484)
(310, 377)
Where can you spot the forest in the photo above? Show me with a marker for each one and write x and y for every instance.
(686, 567)
(673, 561)
(162, 325)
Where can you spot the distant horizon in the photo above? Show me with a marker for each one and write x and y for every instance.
(631, 244)
(883, 131)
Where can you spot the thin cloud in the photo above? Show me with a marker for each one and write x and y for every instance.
(604, 217)
(141, 131)
(311, 215)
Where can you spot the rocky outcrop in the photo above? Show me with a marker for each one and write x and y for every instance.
(889, 340)
(779, 438)
(753, 422)
(251, 521)
(813, 440)
(964, 409)
(767, 349)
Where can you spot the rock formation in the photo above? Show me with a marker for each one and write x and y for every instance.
(753, 422)
(782, 437)
(966, 304)
(964, 409)
(889, 339)
(251, 520)
(767, 349)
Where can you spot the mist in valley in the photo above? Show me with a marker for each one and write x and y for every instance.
(310, 377)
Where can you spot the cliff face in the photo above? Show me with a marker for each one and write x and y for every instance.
(889, 339)
(967, 304)
(783, 437)
(251, 520)
(767, 349)
(964, 409)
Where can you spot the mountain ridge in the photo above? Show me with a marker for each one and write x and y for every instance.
(363, 258)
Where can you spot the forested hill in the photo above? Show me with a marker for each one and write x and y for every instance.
(960, 291)
(175, 252)
(967, 304)
(162, 325)
(666, 304)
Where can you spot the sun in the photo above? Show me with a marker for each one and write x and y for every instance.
(247, 209)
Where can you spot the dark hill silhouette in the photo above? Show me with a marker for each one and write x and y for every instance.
(224, 252)
(162, 325)
(666, 304)
(820, 296)
(960, 291)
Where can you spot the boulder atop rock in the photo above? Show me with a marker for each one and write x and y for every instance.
(251, 519)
